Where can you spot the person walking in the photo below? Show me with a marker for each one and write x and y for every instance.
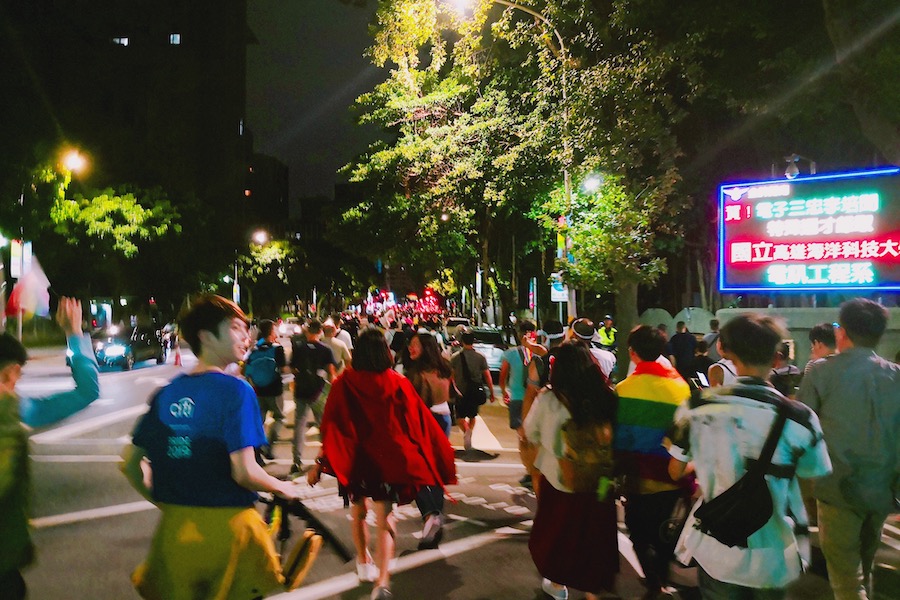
(473, 379)
(430, 373)
(711, 338)
(342, 355)
(682, 346)
(647, 402)
(513, 379)
(856, 394)
(722, 431)
(263, 368)
(383, 445)
(16, 547)
(574, 537)
(313, 365)
(821, 344)
(199, 436)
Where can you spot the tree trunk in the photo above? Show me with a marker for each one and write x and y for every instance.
(852, 30)
(626, 317)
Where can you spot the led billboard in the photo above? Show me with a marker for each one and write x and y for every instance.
(833, 232)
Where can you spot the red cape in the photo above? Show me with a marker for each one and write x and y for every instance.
(376, 427)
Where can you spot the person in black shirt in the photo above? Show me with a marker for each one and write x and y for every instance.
(310, 360)
(682, 347)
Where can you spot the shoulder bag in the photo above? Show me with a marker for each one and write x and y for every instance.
(474, 394)
(743, 509)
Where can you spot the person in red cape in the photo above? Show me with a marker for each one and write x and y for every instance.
(382, 444)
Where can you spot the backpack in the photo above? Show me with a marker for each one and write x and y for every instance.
(307, 382)
(587, 462)
(261, 368)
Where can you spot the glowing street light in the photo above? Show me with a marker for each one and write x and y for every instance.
(261, 236)
(73, 161)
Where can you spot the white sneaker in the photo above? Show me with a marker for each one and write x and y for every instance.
(467, 439)
(367, 571)
(554, 591)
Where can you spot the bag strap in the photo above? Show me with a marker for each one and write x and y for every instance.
(765, 457)
(467, 375)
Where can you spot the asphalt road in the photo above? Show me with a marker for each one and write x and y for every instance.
(92, 529)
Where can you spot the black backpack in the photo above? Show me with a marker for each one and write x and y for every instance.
(307, 382)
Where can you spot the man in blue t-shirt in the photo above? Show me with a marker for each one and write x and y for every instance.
(199, 435)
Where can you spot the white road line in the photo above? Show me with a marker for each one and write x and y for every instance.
(92, 424)
(482, 438)
(93, 513)
(76, 458)
(626, 549)
(344, 583)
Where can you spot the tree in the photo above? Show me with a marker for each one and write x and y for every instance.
(465, 159)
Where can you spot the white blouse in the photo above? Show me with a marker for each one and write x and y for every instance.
(543, 428)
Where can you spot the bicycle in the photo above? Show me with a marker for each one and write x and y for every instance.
(298, 562)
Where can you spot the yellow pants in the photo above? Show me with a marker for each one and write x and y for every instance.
(201, 553)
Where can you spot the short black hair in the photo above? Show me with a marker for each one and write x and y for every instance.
(314, 326)
(753, 338)
(11, 350)
(371, 352)
(525, 326)
(714, 324)
(864, 321)
(206, 313)
(824, 333)
(647, 342)
(265, 329)
(467, 338)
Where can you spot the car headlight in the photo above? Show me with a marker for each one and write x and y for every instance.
(115, 350)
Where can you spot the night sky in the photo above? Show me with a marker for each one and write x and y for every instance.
(302, 78)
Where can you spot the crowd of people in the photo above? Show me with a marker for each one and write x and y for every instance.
(686, 425)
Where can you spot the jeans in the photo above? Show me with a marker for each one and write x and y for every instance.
(275, 405)
(430, 500)
(445, 422)
(713, 589)
(301, 420)
(849, 540)
(644, 515)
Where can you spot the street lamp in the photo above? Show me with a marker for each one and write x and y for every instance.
(792, 171)
(563, 56)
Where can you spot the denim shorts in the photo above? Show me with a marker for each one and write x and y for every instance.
(515, 414)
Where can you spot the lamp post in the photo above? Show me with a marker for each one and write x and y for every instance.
(260, 237)
(567, 151)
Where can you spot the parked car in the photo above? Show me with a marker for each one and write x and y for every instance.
(451, 324)
(490, 343)
(126, 346)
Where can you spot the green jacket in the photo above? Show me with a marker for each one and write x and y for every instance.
(16, 550)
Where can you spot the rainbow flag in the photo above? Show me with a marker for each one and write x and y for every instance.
(31, 293)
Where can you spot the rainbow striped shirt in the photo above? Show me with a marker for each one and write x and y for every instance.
(647, 402)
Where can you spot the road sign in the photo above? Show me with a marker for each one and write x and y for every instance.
(559, 292)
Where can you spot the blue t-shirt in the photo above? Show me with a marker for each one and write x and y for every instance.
(192, 427)
(517, 374)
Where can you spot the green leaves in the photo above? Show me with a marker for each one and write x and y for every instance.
(118, 219)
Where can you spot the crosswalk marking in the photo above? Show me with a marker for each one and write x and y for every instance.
(88, 425)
